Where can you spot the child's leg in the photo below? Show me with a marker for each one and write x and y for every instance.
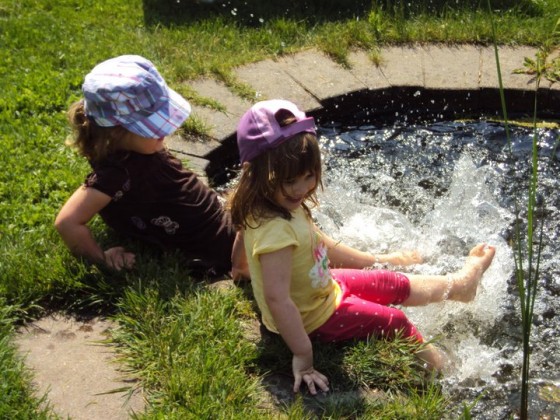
(363, 309)
(357, 318)
(460, 286)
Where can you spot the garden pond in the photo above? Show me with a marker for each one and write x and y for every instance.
(441, 188)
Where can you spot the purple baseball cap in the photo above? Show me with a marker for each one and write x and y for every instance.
(129, 91)
(259, 130)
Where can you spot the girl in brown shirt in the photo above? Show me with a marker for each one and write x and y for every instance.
(136, 186)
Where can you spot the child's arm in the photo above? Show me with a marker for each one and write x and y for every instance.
(71, 223)
(276, 271)
(239, 266)
(341, 255)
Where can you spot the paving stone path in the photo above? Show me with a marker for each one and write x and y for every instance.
(318, 84)
(78, 371)
(61, 351)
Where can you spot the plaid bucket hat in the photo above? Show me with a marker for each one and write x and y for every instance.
(259, 130)
(129, 91)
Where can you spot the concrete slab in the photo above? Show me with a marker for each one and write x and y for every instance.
(403, 66)
(271, 82)
(518, 87)
(550, 97)
(451, 68)
(79, 372)
(222, 124)
(553, 86)
(319, 75)
(196, 164)
(453, 79)
(510, 59)
(366, 71)
(193, 151)
(192, 147)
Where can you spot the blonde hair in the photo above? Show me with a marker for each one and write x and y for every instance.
(253, 196)
(91, 140)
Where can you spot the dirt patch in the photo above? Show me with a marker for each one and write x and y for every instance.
(76, 369)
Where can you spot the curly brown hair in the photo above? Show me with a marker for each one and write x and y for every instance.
(252, 197)
(92, 141)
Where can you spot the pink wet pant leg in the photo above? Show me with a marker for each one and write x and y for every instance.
(364, 309)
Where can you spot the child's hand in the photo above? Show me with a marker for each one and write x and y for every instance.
(304, 372)
(118, 258)
(405, 258)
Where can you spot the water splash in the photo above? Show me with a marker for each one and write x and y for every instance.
(468, 214)
(441, 189)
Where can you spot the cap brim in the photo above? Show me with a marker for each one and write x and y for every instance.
(165, 121)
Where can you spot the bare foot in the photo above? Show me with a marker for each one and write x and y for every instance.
(434, 359)
(465, 282)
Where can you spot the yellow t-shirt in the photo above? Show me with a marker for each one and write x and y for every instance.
(313, 289)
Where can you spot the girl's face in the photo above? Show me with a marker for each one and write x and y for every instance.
(143, 145)
(294, 191)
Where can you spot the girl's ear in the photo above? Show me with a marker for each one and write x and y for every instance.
(246, 166)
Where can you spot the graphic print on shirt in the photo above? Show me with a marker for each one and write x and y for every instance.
(319, 274)
(138, 222)
(91, 180)
(125, 188)
(118, 195)
(169, 225)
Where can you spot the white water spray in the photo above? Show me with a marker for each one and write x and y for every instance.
(468, 214)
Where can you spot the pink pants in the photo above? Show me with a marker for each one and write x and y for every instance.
(363, 310)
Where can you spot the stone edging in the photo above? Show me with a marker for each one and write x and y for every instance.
(438, 79)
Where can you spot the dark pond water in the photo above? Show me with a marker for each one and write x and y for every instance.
(442, 188)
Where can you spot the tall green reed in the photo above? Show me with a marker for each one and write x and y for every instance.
(527, 252)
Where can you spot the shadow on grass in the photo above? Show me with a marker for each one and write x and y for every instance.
(255, 12)
(95, 290)
(159, 320)
(361, 373)
(274, 367)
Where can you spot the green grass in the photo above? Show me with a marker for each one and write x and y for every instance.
(162, 339)
(16, 399)
(186, 342)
